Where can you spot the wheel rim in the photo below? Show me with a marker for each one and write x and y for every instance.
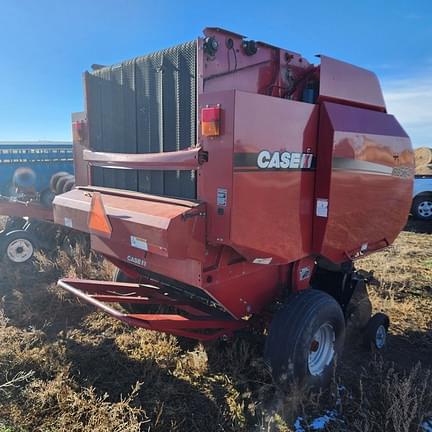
(20, 250)
(380, 337)
(425, 208)
(321, 351)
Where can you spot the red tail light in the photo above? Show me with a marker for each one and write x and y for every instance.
(79, 130)
(210, 121)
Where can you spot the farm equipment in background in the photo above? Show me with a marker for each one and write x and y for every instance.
(236, 183)
(31, 174)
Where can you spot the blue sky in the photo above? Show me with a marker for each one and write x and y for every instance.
(47, 44)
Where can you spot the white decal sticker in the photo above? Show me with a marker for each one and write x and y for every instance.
(68, 222)
(274, 161)
(262, 260)
(139, 243)
(305, 273)
(306, 160)
(285, 160)
(222, 197)
(263, 159)
(322, 207)
(136, 260)
(295, 160)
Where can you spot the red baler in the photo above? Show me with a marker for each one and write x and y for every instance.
(236, 183)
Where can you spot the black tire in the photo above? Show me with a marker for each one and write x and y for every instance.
(55, 178)
(18, 246)
(375, 332)
(422, 208)
(47, 197)
(290, 344)
(69, 185)
(14, 223)
(61, 182)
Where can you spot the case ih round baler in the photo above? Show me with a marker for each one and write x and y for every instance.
(235, 183)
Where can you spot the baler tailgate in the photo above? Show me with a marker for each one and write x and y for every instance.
(162, 226)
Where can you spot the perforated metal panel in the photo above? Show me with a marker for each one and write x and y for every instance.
(145, 105)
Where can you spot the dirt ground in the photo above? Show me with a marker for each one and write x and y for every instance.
(67, 367)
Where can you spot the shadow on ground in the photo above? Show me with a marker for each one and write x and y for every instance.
(419, 227)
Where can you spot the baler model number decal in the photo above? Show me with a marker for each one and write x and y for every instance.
(284, 160)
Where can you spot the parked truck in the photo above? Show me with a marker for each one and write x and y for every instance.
(31, 173)
(422, 198)
(236, 184)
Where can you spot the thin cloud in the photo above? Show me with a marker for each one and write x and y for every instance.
(410, 100)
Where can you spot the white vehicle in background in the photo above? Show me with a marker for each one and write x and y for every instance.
(422, 198)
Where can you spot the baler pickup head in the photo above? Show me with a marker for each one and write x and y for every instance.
(195, 320)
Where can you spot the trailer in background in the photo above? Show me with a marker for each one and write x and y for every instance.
(42, 159)
(31, 174)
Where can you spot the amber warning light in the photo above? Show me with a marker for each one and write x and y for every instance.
(98, 221)
(210, 121)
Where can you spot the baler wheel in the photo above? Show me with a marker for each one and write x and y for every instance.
(306, 335)
(375, 333)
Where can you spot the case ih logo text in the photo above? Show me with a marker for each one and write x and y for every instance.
(137, 261)
(284, 160)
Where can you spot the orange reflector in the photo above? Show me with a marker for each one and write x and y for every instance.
(78, 130)
(210, 121)
(98, 221)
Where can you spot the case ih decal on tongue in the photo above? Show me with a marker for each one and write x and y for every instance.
(285, 160)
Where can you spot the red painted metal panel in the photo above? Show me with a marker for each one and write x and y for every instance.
(80, 143)
(185, 270)
(365, 171)
(25, 209)
(244, 289)
(178, 160)
(215, 176)
(239, 287)
(265, 72)
(343, 82)
(167, 229)
(272, 209)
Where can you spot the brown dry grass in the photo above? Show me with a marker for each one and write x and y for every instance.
(66, 367)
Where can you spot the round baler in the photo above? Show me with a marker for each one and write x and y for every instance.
(238, 195)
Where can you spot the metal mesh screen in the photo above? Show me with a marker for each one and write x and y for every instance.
(145, 105)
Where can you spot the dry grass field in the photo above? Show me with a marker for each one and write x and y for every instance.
(67, 367)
